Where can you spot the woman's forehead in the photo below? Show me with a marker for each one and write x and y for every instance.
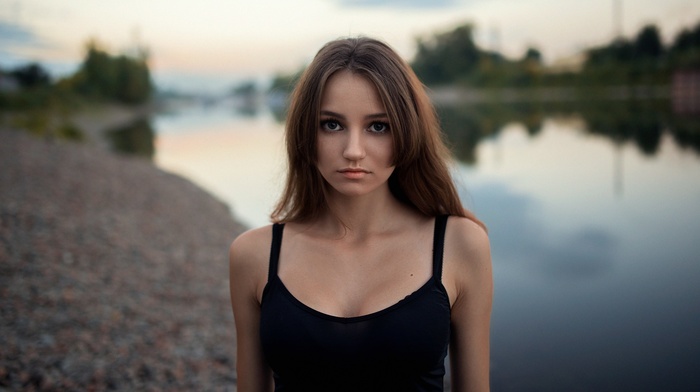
(346, 89)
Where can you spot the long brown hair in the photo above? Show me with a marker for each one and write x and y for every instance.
(421, 178)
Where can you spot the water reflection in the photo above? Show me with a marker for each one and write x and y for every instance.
(593, 291)
(642, 123)
(136, 138)
(639, 122)
(466, 125)
(520, 238)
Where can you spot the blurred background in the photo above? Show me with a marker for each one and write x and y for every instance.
(576, 131)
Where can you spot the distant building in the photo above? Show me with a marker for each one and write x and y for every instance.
(685, 91)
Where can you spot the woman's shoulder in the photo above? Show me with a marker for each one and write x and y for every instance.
(467, 233)
(467, 244)
(467, 260)
(251, 248)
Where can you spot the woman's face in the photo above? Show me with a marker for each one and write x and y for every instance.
(354, 143)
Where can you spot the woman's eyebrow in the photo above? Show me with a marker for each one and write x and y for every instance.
(340, 116)
(332, 114)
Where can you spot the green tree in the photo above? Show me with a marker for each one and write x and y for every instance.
(31, 75)
(641, 60)
(447, 57)
(534, 55)
(285, 82)
(685, 50)
(133, 80)
(648, 43)
(122, 78)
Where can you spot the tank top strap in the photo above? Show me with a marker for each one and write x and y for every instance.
(277, 230)
(439, 245)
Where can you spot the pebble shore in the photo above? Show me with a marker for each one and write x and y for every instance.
(113, 273)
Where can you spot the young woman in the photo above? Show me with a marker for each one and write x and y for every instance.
(363, 281)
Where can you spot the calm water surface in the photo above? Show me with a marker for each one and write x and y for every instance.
(595, 243)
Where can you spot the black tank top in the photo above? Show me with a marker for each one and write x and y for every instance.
(399, 348)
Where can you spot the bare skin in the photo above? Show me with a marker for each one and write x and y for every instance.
(367, 251)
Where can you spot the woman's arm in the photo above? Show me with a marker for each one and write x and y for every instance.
(468, 262)
(247, 276)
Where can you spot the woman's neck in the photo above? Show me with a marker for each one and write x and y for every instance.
(362, 216)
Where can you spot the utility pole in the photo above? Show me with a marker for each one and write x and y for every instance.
(618, 163)
(617, 19)
(495, 38)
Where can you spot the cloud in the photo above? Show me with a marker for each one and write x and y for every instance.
(520, 238)
(15, 35)
(15, 40)
(399, 3)
(20, 44)
(589, 252)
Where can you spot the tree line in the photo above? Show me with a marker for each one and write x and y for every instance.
(123, 78)
(454, 58)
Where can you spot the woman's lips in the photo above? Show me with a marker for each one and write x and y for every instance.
(353, 174)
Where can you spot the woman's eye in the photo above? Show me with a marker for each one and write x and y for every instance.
(379, 127)
(330, 125)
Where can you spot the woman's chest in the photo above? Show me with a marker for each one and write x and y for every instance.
(348, 282)
(412, 334)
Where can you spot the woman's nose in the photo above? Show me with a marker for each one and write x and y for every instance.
(354, 146)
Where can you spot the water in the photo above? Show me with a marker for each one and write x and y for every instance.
(239, 159)
(594, 224)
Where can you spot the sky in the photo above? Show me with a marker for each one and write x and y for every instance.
(212, 43)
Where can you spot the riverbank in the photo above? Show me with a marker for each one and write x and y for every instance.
(113, 274)
(452, 95)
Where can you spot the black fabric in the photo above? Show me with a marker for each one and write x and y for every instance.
(277, 231)
(400, 348)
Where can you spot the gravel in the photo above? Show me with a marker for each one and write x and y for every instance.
(113, 273)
